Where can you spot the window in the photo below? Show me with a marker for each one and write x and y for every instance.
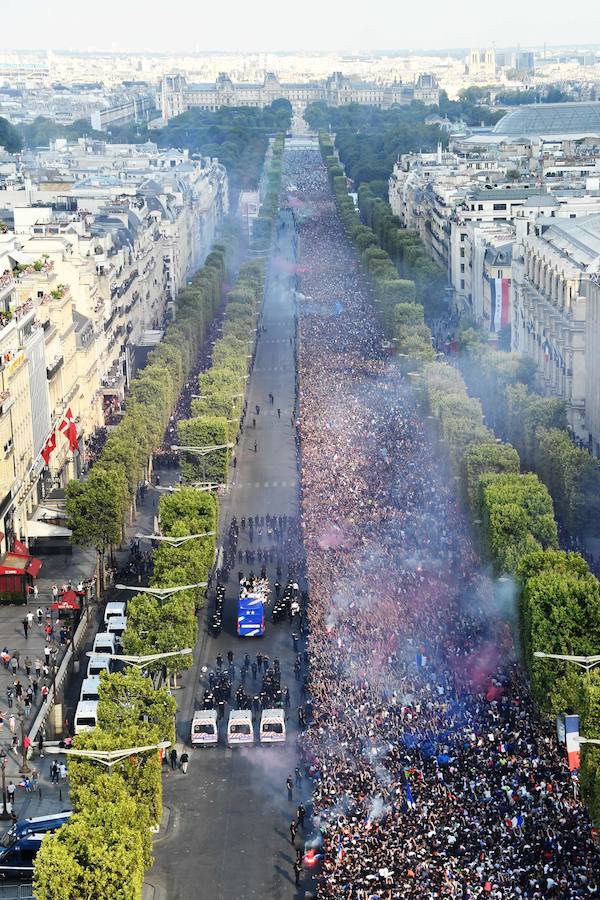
(499, 275)
(462, 284)
(480, 207)
(462, 237)
(499, 206)
(462, 267)
(462, 252)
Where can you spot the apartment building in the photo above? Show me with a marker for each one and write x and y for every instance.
(88, 276)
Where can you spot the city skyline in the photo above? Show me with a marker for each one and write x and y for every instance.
(262, 28)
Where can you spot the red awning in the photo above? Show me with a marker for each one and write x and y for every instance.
(20, 548)
(66, 605)
(34, 567)
(13, 564)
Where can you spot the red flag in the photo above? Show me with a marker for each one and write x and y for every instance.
(69, 429)
(49, 447)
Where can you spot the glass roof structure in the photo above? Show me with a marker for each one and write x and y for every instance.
(551, 119)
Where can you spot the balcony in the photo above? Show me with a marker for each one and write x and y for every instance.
(54, 367)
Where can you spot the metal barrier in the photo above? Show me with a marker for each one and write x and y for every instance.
(22, 891)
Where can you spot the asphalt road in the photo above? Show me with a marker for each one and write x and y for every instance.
(228, 831)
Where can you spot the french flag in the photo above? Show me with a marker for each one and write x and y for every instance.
(340, 849)
(503, 748)
(515, 822)
(421, 660)
(572, 741)
(410, 800)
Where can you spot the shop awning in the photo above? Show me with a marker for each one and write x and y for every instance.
(18, 564)
(37, 529)
(34, 567)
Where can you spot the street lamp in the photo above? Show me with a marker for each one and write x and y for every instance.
(4, 815)
(206, 485)
(140, 662)
(108, 758)
(202, 451)
(24, 767)
(175, 541)
(584, 740)
(584, 662)
(160, 593)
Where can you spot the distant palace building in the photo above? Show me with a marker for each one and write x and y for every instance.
(177, 96)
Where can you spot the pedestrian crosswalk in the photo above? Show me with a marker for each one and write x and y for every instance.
(262, 484)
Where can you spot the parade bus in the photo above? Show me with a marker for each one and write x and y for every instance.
(251, 616)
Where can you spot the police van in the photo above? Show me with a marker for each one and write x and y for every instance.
(240, 730)
(86, 716)
(205, 728)
(272, 726)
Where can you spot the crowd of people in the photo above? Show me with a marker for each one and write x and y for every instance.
(432, 774)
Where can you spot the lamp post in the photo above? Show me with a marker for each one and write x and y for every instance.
(4, 815)
(584, 662)
(24, 767)
(160, 593)
(175, 541)
(593, 741)
(108, 758)
(140, 662)
(202, 452)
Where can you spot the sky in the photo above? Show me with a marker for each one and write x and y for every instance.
(246, 25)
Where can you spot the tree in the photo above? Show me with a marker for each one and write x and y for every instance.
(10, 138)
(130, 698)
(141, 772)
(480, 459)
(589, 726)
(96, 509)
(204, 431)
(81, 861)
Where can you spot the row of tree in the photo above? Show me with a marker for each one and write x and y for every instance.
(215, 414)
(262, 227)
(559, 599)
(105, 847)
(103, 850)
(98, 506)
(537, 426)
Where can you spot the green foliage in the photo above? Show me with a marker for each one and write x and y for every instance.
(129, 698)
(140, 772)
(480, 459)
(573, 478)
(516, 511)
(204, 431)
(589, 725)
(96, 507)
(10, 138)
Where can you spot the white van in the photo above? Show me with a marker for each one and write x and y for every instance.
(116, 625)
(205, 729)
(114, 608)
(105, 642)
(86, 716)
(90, 687)
(239, 728)
(99, 664)
(272, 726)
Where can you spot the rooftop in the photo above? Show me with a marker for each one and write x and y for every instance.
(579, 239)
(547, 119)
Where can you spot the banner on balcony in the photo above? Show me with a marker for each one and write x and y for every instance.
(500, 303)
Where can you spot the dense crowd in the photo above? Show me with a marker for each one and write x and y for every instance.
(433, 775)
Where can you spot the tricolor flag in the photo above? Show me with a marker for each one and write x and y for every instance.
(500, 288)
(572, 740)
(503, 748)
(69, 429)
(410, 800)
(421, 660)
(340, 849)
(49, 447)
(515, 822)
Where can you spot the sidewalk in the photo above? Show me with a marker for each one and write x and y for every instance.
(47, 799)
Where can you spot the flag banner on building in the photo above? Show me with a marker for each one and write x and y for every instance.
(49, 447)
(500, 288)
(69, 429)
(572, 740)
